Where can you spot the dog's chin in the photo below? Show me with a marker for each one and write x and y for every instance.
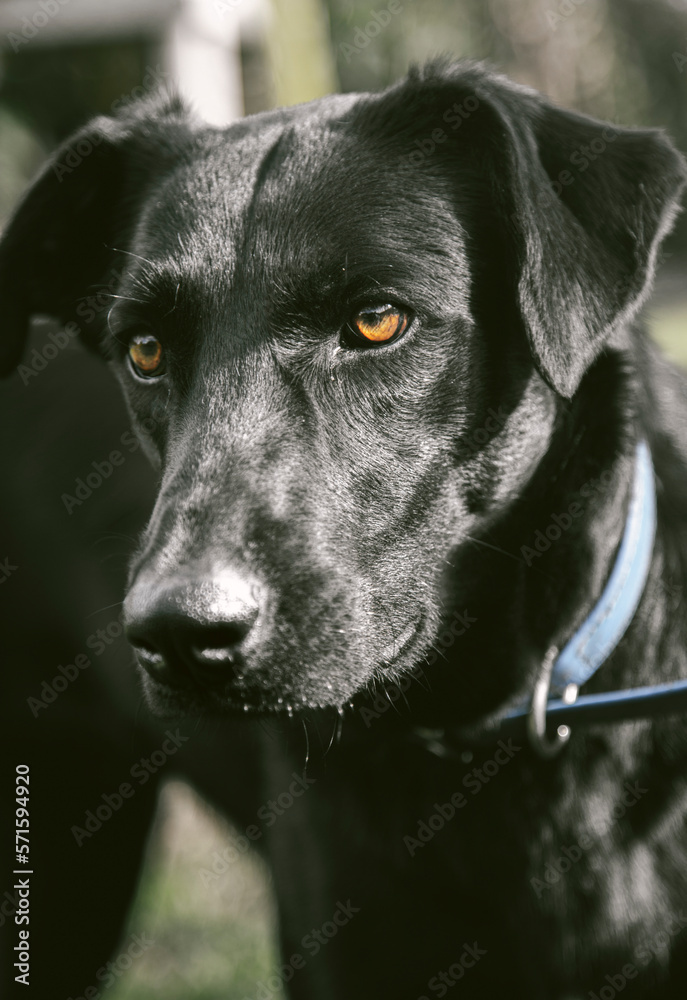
(334, 691)
(168, 702)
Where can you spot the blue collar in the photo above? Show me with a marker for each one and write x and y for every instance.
(607, 622)
(599, 634)
(563, 673)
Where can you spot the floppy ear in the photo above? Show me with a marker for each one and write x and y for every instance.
(58, 244)
(587, 206)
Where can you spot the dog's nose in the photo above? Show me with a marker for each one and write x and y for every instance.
(186, 628)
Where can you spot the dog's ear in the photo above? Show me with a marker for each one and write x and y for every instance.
(59, 242)
(586, 205)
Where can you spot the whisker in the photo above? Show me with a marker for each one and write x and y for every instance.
(503, 552)
(331, 741)
(176, 296)
(117, 604)
(124, 298)
(494, 548)
(307, 744)
(129, 253)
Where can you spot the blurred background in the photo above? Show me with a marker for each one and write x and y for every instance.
(62, 61)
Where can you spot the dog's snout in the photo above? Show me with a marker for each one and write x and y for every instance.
(193, 629)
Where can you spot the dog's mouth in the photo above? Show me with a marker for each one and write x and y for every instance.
(210, 681)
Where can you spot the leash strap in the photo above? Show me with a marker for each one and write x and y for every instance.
(589, 710)
(610, 706)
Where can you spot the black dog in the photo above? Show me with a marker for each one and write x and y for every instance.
(382, 350)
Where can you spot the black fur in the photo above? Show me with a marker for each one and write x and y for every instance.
(357, 500)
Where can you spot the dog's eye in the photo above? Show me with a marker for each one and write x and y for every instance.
(145, 353)
(379, 324)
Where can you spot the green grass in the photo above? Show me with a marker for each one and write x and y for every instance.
(212, 941)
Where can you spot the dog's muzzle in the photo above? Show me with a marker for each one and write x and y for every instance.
(193, 630)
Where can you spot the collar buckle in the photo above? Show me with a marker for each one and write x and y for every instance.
(536, 720)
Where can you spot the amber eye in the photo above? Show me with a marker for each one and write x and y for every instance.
(380, 324)
(146, 356)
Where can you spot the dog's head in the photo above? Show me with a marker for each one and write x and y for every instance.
(344, 332)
